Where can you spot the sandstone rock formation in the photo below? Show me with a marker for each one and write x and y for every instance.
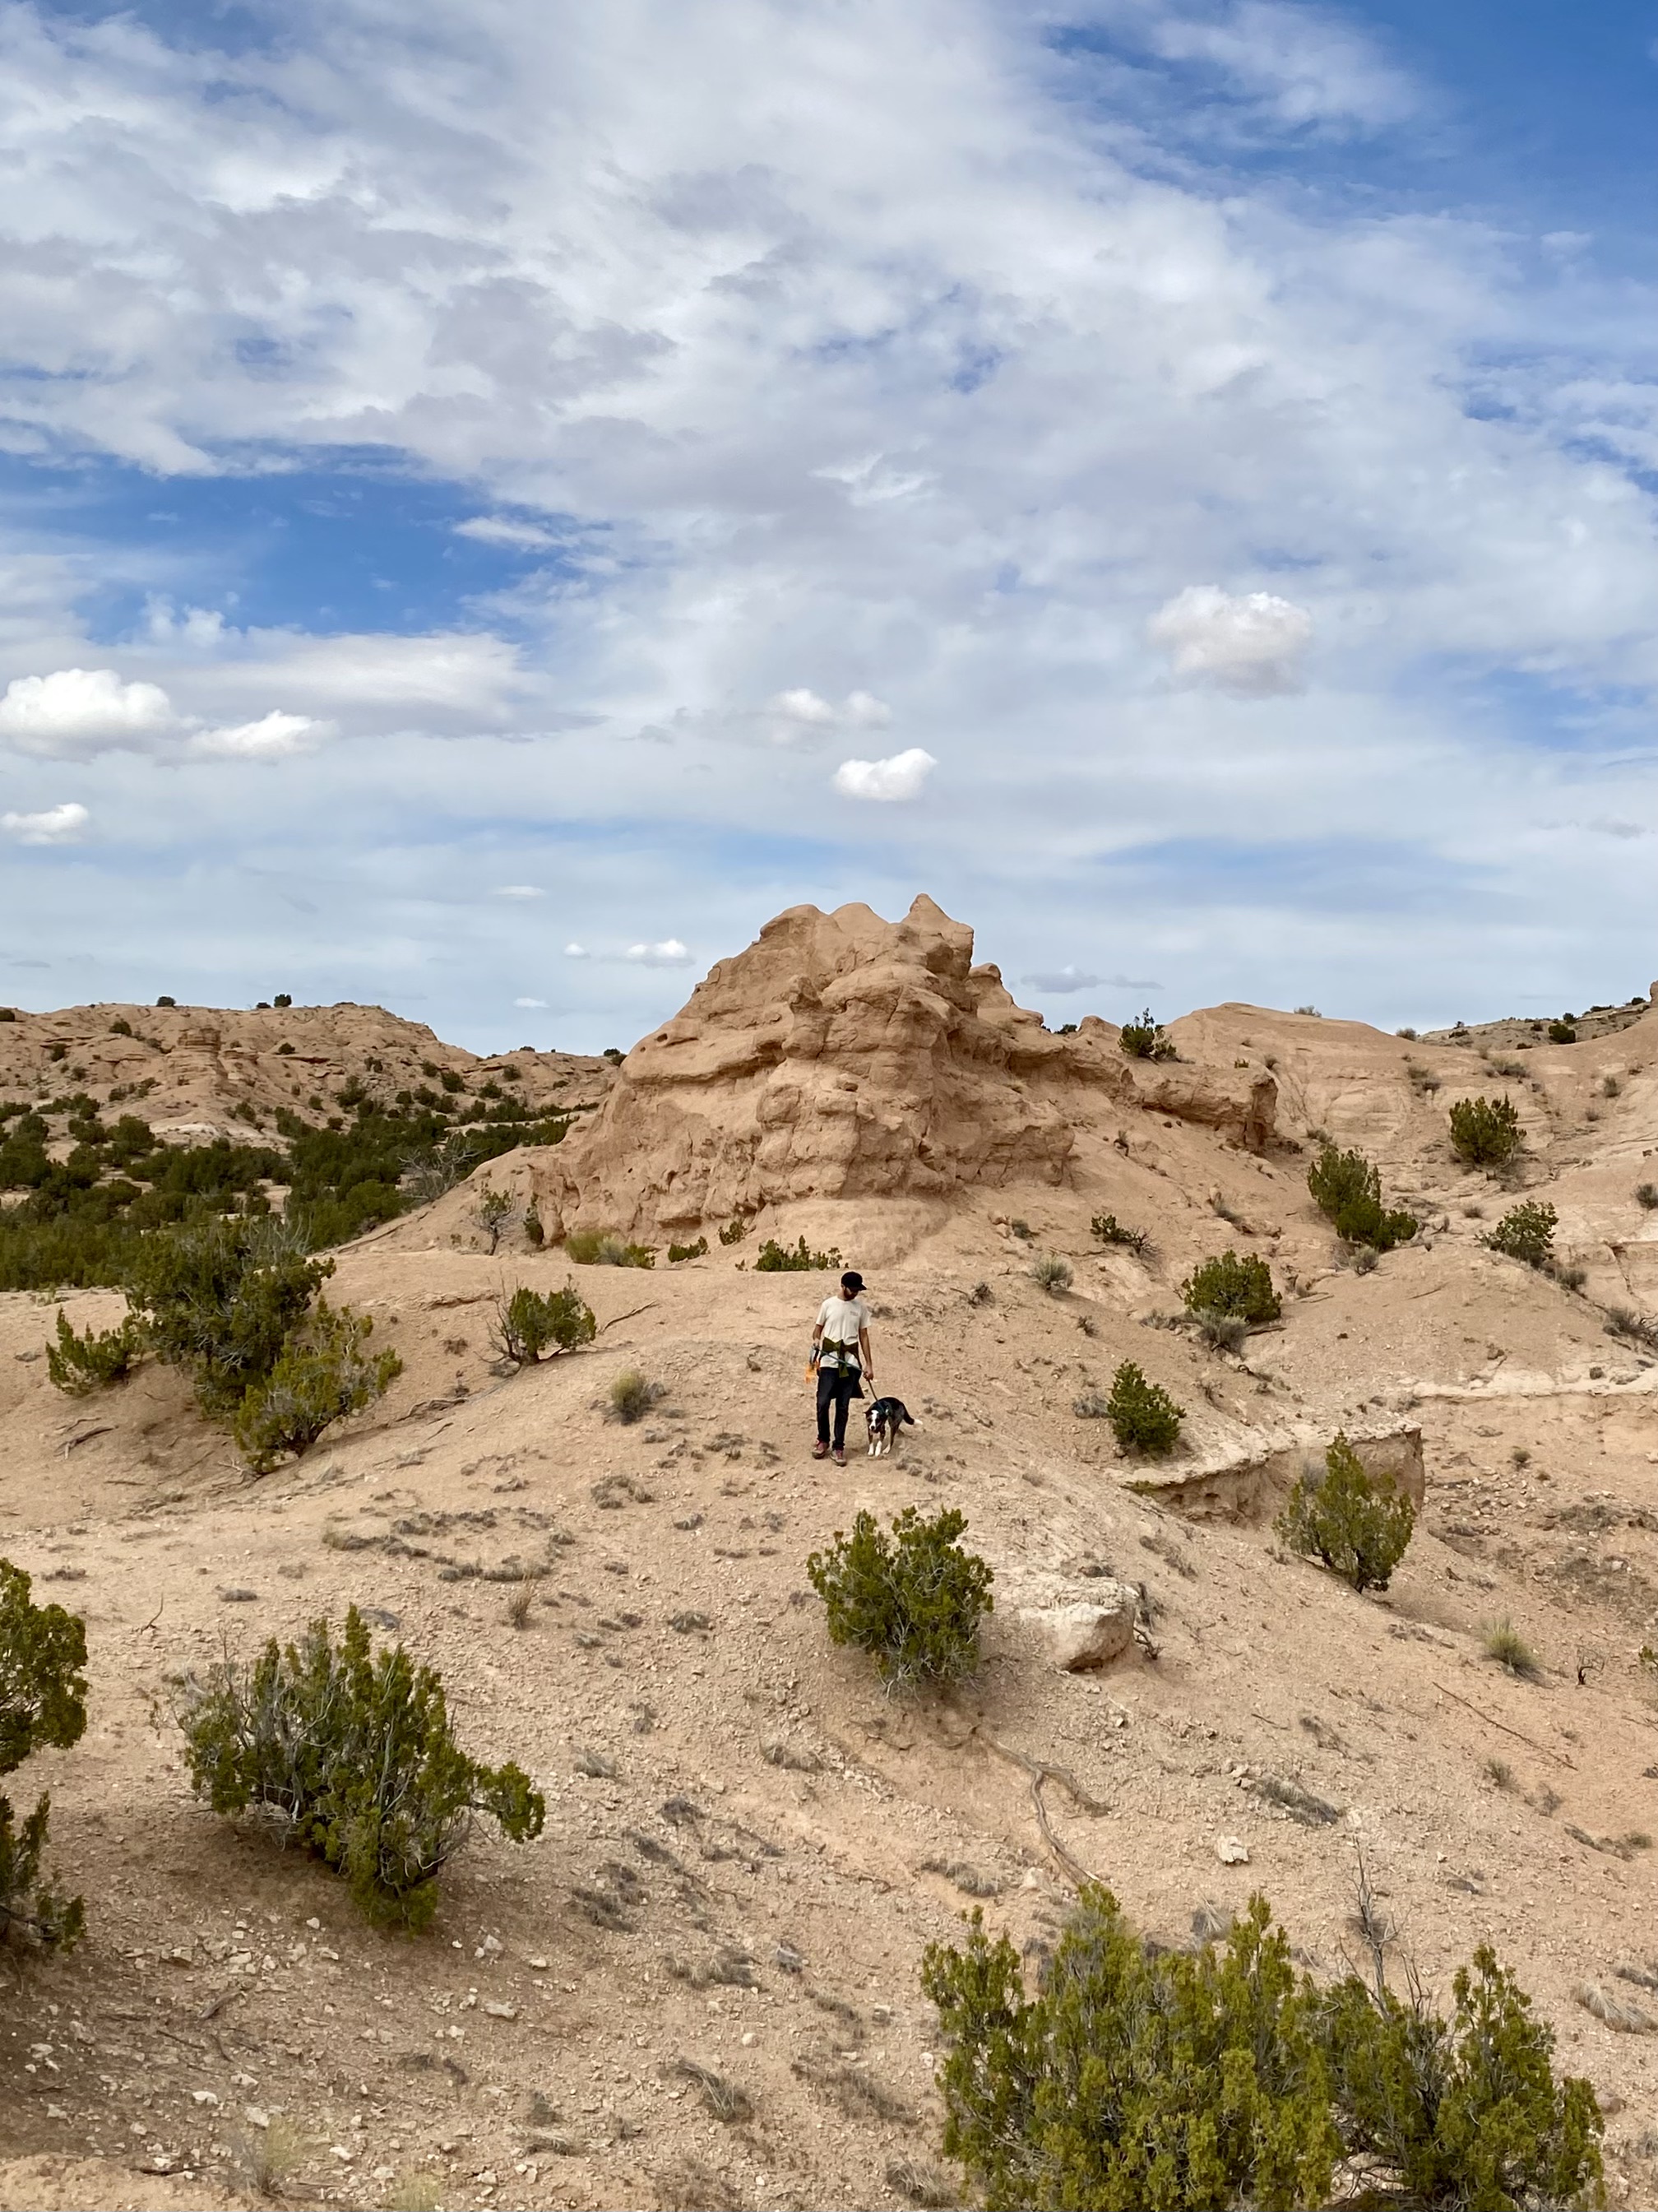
(844, 1057)
(1087, 1632)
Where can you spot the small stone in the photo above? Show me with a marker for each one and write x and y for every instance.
(501, 2011)
(256, 2116)
(203, 2097)
(1231, 1851)
(539, 1964)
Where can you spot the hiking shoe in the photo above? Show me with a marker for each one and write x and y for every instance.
(839, 1459)
(820, 1451)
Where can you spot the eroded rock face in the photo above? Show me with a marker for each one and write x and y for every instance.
(839, 1057)
(842, 1057)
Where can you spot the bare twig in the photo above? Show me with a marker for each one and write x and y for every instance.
(1558, 1757)
(1042, 1771)
(225, 1996)
(615, 1319)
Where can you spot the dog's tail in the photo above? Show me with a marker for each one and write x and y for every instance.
(904, 1414)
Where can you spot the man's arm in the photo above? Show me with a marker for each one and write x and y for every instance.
(865, 1355)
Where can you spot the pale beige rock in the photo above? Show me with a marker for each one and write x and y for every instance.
(1087, 1632)
(842, 1057)
(1231, 1851)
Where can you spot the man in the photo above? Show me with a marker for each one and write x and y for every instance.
(841, 1353)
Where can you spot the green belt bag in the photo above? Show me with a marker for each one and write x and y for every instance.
(842, 1358)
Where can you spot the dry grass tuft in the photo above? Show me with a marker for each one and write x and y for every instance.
(1627, 2018)
(1502, 1641)
(730, 2103)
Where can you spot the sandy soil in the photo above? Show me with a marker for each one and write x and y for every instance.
(748, 1845)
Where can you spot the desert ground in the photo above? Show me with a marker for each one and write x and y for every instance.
(699, 1988)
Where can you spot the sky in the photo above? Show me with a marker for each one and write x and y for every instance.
(498, 500)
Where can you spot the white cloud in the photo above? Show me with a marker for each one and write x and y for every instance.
(802, 712)
(537, 1002)
(498, 530)
(77, 711)
(901, 777)
(1250, 645)
(55, 825)
(275, 735)
(575, 952)
(1068, 978)
(802, 707)
(866, 711)
(519, 892)
(670, 953)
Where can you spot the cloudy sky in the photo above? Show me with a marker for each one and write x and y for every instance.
(497, 499)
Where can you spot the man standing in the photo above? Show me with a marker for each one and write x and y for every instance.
(841, 1353)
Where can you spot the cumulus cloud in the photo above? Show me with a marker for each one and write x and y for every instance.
(670, 953)
(54, 826)
(275, 735)
(1250, 644)
(798, 713)
(76, 711)
(575, 952)
(901, 777)
(530, 1003)
(520, 892)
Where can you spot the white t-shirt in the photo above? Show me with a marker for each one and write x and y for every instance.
(840, 1319)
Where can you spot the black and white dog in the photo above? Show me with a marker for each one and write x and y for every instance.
(884, 1419)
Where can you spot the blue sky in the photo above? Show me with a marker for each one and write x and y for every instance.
(496, 502)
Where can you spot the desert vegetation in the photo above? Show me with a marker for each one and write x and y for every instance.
(1144, 1417)
(351, 1752)
(43, 1702)
(1357, 1526)
(1347, 1188)
(913, 1599)
(1486, 1131)
(1139, 2076)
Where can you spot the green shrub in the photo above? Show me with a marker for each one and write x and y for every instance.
(221, 1301)
(1466, 2112)
(1195, 2081)
(1144, 1039)
(1357, 1526)
(1150, 2082)
(773, 1259)
(1646, 1196)
(284, 999)
(43, 1702)
(1347, 1188)
(352, 1751)
(1051, 1272)
(1486, 1131)
(603, 1247)
(632, 1396)
(531, 1322)
(913, 1600)
(687, 1251)
(1561, 1033)
(166, 998)
(734, 1232)
(534, 1231)
(1110, 1231)
(323, 1372)
(1240, 1289)
(1143, 1416)
(1526, 1232)
(91, 1360)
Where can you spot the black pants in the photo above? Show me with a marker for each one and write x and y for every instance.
(837, 1390)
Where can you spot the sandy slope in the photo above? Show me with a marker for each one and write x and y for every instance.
(771, 1818)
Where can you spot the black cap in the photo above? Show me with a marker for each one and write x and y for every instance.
(852, 1280)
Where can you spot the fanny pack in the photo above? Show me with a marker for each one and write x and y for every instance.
(842, 1358)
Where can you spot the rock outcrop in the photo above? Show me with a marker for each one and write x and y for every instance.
(844, 1057)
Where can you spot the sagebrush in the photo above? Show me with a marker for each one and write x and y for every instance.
(1146, 2080)
(43, 1702)
(350, 1751)
(913, 1599)
(1358, 1525)
(775, 1259)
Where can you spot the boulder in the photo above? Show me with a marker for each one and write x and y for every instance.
(1088, 1633)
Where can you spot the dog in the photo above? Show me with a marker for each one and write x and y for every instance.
(884, 1419)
